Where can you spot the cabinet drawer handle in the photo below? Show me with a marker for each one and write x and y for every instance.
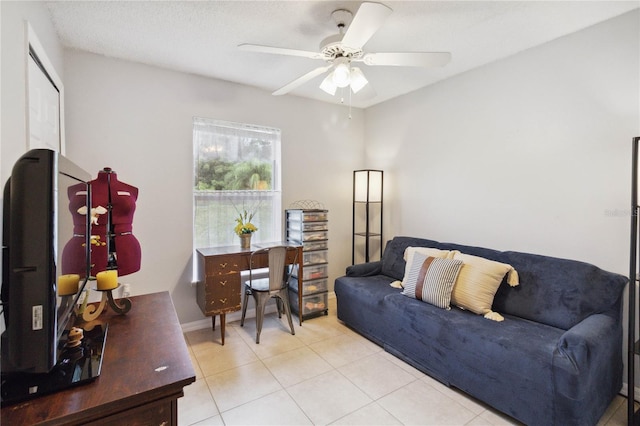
(223, 300)
(223, 265)
(223, 283)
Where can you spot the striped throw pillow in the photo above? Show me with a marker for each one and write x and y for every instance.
(431, 279)
(427, 251)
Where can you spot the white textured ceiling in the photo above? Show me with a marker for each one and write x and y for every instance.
(202, 37)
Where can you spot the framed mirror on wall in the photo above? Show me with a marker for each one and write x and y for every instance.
(45, 98)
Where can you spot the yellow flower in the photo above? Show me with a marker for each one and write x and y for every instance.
(244, 225)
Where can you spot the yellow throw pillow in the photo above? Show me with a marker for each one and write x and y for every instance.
(478, 282)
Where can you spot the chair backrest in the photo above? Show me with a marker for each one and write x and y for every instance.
(278, 275)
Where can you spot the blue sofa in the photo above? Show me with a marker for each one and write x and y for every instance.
(556, 359)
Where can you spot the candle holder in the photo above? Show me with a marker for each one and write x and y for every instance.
(92, 311)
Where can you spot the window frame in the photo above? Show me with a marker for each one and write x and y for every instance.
(269, 227)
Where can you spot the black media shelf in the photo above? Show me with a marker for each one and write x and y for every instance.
(76, 366)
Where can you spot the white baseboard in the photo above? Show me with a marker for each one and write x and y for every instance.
(234, 316)
(624, 392)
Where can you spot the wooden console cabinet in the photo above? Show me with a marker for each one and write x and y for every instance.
(145, 367)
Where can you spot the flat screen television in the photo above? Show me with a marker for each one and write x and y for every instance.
(46, 259)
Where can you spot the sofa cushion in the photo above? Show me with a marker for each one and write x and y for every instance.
(393, 263)
(506, 364)
(431, 279)
(360, 303)
(428, 251)
(478, 282)
(558, 292)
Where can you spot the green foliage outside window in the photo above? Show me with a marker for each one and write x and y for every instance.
(220, 175)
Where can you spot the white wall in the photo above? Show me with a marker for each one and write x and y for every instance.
(13, 61)
(13, 74)
(137, 120)
(530, 153)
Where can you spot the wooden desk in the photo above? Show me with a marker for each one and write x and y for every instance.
(145, 367)
(219, 288)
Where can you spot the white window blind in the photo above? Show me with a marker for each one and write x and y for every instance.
(236, 168)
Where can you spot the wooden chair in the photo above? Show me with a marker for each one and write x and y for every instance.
(263, 289)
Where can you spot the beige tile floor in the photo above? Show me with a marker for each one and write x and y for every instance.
(325, 374)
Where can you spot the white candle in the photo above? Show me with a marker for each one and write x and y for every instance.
(107, 280)
(68, 284)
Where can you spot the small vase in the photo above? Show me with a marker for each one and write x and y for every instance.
(245, 241)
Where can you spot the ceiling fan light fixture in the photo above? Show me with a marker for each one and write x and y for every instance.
(358, 80)
(328, 85)
(341, 72)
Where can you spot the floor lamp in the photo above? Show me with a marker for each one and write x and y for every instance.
(367, 193)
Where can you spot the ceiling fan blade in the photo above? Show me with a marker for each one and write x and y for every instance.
(301, 80)
(368, 92)
(279, 50)
(366, 22)
(408, 59)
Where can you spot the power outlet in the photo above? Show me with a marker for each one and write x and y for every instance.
(126, 290)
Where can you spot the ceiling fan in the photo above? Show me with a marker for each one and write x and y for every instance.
(341, 50)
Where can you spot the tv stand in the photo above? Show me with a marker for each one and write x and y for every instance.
(145, 367)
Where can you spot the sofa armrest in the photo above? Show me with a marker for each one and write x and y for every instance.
(587, 354)
(364, 269)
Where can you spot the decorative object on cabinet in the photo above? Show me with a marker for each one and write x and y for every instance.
(245, 241)
(633, 345)
(264, 288)
(367, 211)
(307, 225)
(244, 228)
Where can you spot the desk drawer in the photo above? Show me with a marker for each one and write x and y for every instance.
(221, 265)
(261, 260)
(222, 293)
(221, 284)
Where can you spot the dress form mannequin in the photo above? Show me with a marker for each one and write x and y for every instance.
(73, 255)
(121, 250)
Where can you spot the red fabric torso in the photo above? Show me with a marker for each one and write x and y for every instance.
(125, 244)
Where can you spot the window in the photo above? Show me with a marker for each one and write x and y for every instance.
(236, 168)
